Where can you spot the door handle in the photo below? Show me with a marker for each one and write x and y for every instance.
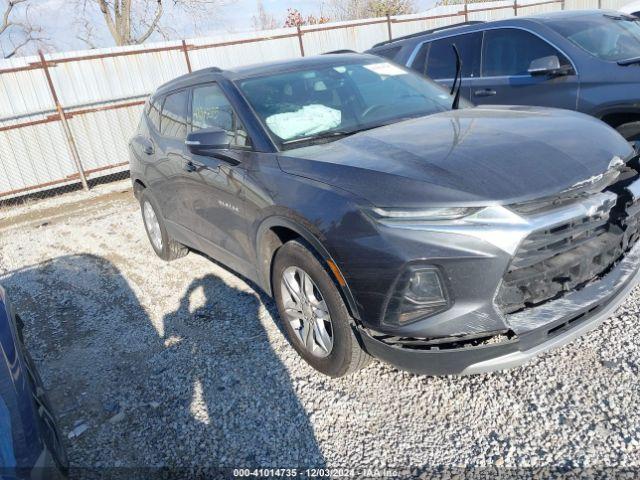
(487, 92)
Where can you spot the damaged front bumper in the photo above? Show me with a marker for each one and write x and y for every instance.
(537, 330)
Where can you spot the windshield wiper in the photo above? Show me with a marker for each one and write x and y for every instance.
(457, 80)
(320, 136)
(621, 17)
(629, 61)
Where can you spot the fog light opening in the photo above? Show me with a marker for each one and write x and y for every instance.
(419, 293)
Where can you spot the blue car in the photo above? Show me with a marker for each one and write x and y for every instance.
(587, 61)
(30, 443)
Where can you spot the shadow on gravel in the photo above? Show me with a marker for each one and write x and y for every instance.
(200, 388)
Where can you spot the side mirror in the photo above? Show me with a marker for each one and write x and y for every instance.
(206, 141)
(549, 65)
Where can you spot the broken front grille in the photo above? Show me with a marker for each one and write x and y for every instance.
(569, 254)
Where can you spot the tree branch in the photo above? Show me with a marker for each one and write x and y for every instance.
(153, 25)
(104, 8)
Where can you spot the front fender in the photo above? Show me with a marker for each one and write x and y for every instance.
(266, 250)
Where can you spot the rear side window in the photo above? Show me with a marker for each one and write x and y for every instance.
(419, 62)
(211, 109)
(441, 59)
(154, 113)
(509, 51)
(174, 115)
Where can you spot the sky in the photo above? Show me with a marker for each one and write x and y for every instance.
(58, 18)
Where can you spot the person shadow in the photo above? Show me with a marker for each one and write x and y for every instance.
(242, 401)
(199, 387)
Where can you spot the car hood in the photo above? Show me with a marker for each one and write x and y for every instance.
(473, 156)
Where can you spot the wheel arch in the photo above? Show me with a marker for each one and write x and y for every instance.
(138, 186)
(616, 117)
(275, 232)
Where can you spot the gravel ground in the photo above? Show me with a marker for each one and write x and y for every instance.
(182, 364)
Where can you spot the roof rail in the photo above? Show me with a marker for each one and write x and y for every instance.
(208, 69)
(335, 52)
(427, 32)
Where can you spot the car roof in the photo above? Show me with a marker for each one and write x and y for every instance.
(261, 69)
(469, 27)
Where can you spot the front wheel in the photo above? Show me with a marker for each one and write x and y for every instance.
(315, 317)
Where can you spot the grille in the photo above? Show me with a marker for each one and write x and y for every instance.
(566, 256)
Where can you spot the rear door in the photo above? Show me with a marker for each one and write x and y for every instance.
(506, 56)
(437, 60)
(171, 155)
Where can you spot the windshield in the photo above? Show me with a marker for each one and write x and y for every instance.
(328, 102)
(608, 37)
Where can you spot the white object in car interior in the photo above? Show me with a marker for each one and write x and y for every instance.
(309, 120)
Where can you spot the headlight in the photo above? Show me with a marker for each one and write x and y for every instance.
(423, 214)
(419, 293)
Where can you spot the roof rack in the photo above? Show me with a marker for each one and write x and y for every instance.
(208, 70)
(336, 52)
(189, 75)
(427, 32)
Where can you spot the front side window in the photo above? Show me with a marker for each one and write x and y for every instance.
(211, 109)
(173, 122)
(441, 58)
(608, 37)
(329, 101)
(509, 51)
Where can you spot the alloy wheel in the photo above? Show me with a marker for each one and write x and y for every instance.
(152, 224)
(307, 312)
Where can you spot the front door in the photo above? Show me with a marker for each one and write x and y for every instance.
(506, 56)
(214, 184)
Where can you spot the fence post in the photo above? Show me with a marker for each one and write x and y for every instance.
(466, 11)
(599, 4)
(185, 50)
(389, 27)
(515, 8)
(300, 40)
(65, 125)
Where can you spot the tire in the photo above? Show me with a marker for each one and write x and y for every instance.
(630, 131)
(167, 248)
(345, 356)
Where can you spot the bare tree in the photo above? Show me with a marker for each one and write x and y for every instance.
(356, 9)
(16, 29)
(380, 8)
(263, 20)
(132, 22)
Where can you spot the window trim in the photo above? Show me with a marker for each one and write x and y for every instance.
(483, 31)
(164, 100)
(250, 148)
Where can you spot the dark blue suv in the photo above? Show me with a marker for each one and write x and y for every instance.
(30, 442)
(587, 61)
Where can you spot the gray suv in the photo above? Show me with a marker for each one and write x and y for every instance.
(386, 222)
(579, 60)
